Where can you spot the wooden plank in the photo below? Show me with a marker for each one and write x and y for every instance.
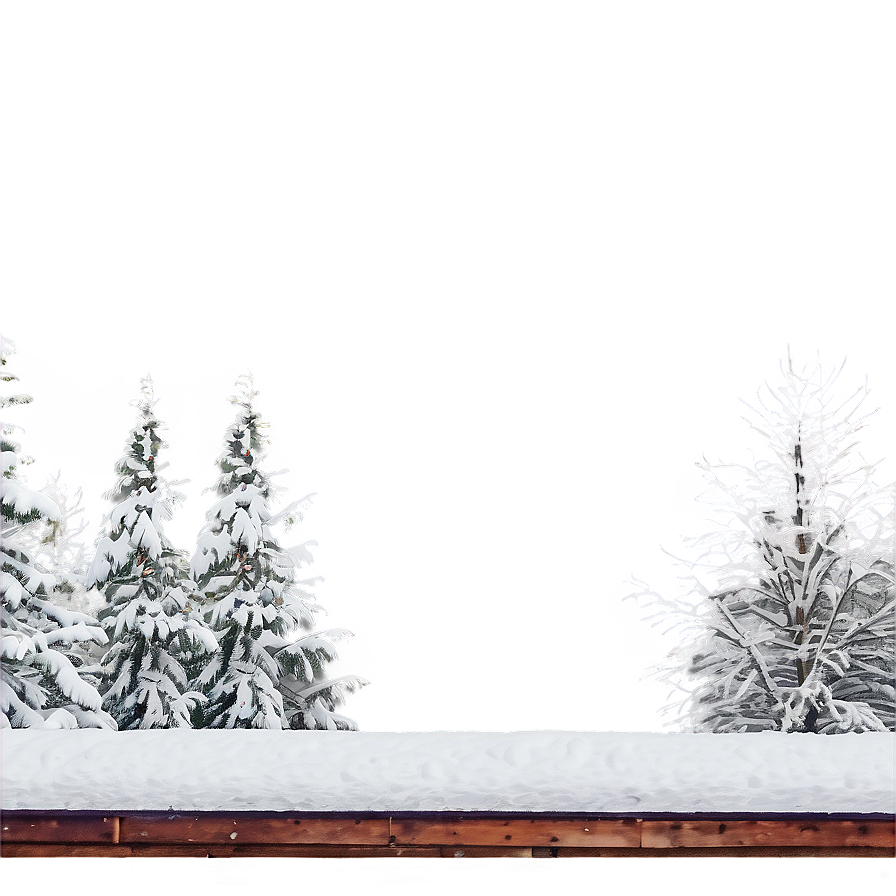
(322, 851)
(111, 850)
(235, 829)
(58, 829)
(512, 832)
(203, 850)
(697, 852)
(720, 834)
(156, 834)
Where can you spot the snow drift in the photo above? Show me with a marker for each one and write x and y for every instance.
(544, 771)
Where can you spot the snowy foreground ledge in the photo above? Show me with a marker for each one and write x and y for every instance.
(545, 771)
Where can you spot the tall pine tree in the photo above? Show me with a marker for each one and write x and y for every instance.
(795, 630)
(153, 613)
(267, 674)
(40, 685)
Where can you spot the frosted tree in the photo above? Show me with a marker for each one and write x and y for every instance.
(40, 685)
(271, 670)
(59, 544)
(153, 612)
(791, 605)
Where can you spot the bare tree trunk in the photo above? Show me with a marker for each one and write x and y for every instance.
(803, 667)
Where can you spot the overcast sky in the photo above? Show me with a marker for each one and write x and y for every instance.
(501, 274)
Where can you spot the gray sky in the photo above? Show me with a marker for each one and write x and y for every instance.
(501, 279)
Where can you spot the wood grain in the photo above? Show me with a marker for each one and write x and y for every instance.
(206, 850)
(721, 834)
(732, 852)
(58, 828)
(484, 852)
(526, 832)
(236, 830)
(157, 834)
(161, 850)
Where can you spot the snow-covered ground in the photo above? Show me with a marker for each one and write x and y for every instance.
(543, 771)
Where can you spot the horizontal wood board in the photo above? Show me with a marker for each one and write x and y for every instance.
(517, 832)
(223, 829)
(59, 829)
(157, 834)
(667, 835)
(125, 850)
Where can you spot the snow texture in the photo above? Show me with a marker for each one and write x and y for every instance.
(24, 501)
(544, 771)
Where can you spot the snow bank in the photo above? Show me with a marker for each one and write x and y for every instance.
(544, 771)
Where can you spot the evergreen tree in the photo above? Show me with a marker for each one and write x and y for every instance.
(41, 686)
(267, 674)
(152, 613)
(59, 545)
(796, 632)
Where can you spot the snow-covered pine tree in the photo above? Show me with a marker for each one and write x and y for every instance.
(267, 674)
(794, 631)
(153, 611)
(40, 686)
(59, 545)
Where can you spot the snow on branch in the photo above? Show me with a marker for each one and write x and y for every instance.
(794, 630)
(246, 393)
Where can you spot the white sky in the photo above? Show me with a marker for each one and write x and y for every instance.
(501, 272)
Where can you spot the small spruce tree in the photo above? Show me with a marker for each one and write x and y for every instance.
(267, 673)
(791, 609)
(153, 611)
(41, 685)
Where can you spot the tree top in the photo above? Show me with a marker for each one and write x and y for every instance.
(246, 392)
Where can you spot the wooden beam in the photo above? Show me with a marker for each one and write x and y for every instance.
(203, 850)
(733, 852)
(59, 828)
(485, 852)
(210, 850)
(437, 835)
(237, 830)
(516, 832)
(781, 833)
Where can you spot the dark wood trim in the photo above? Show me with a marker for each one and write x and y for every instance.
(175, 829)
(525, 832)
(59, 828)
(540, 835)
(452, 814)
(736, 834)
